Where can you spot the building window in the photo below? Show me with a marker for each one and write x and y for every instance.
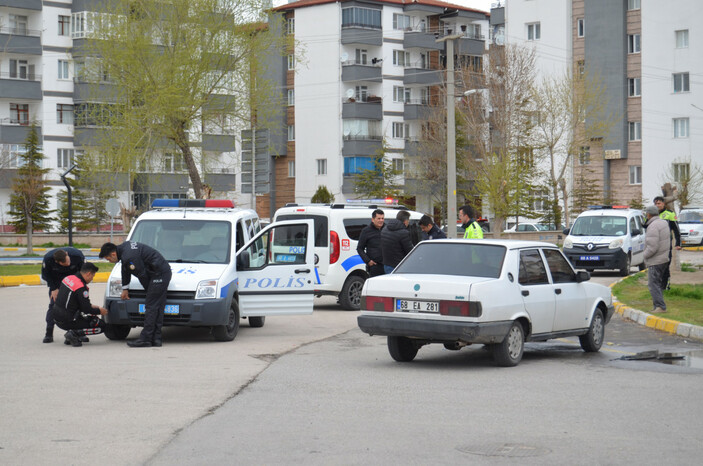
(361, 17)
(19, 114)
(354, 165)
(633, 43)
(399, 166)
(682, 39)
(401, 130)
(585, 155)
(680, 127)
(82, 23)
(64, 25)
(321, 166)
(19, 25)
(361, 56)
(635, 174)
(64, 114)
(401, 58)
(634, 87)
(635, 132)
(401, 22)
(534, 31)
(290, 25)
(64, 158)
(633, 4)
(361, 93)
(11, 155)
(291, 132)
(539, 199)
(21, 69)
(681, 172)
(291, 62)
(401, 94)
(63, 69)
(681, 83)
(174, 163)
(291, 169)
(581, 27)
(291, 97)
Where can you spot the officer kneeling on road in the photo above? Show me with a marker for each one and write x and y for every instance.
(72, 310)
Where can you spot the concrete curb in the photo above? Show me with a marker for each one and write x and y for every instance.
(18, 280)
(655, 321)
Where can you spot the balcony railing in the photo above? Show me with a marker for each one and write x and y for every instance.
(17, 76)
(362, 137)
(373, 62)
(368, 99)
(19, 31)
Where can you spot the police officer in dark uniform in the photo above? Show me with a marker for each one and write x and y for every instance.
(154, 273)
(72, 310)
(57, 265)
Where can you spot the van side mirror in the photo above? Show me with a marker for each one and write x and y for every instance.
(582, 276)
(243, 260)
(636, 232)
(566, 231)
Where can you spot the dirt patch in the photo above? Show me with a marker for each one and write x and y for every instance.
(687, 278)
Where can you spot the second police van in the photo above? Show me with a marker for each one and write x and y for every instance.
(339, 269)
(224, 267)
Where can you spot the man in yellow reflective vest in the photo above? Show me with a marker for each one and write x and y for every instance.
(670, 217)
(467, 217)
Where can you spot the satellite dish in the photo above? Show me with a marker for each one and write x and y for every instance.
(345, 56)
(500, 39)
(350, 93)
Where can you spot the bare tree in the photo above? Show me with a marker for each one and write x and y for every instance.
(685, 180)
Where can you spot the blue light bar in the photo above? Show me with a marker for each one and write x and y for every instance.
(221, 203)
(164, 203)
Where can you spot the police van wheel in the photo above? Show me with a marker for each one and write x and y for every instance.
(350, 297)
(625, 270)
(229, 331)
(117, 332)
(257, 322)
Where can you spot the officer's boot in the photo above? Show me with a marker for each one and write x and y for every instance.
(72, 338)
(156, 341)
(49, 336)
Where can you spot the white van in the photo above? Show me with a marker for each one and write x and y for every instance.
(224, 268)
(691, 226)
(339, 270)
(606, 237)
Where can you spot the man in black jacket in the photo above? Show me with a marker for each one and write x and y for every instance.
(395, 240)
(72, 310)
(154, 273)
(57, 265)
(431, 230)
(369, 246)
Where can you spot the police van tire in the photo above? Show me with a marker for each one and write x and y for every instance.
(257, 321)
(229, 331)
(625, 270)
(117, 332)
(350, 297)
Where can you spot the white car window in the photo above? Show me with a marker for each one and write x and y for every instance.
(466, 260)
(532, 269)
(559, 267)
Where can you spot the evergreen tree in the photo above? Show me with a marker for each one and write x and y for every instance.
(322, 196)
(29, 201)
(381, 181)
(585, 191)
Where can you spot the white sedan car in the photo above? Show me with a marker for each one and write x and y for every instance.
(499, 293)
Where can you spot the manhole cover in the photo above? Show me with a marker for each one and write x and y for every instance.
(509, 450)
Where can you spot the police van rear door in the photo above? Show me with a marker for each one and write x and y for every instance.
(276, 270)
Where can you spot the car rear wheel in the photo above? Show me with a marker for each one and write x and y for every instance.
(625, 270)
(350, 297)
(593, 340)
(117, 332)
(508, 353)
(229, 331)
(402, 349)
(257, 322)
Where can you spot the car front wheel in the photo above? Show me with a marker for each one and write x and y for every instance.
(117, 332)
(593, 340)
(402, 349)
(508, 353)
(625, 270)
(229, 331)
(257, 321)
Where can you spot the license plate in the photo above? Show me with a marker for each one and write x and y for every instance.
(589, 258)
(407, 305)
(171, 309)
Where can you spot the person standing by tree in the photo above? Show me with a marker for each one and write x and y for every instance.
(369, 245)
(670, 217)
(467, 217)
(57, 265)
(657, 244)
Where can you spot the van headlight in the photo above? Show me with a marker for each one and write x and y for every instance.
(568, 243)
(616, 243)
(206, 289)
(114, 288)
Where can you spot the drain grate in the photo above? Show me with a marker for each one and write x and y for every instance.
(508, 450)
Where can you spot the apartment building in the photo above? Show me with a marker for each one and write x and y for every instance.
(647, 55)
(368, 74)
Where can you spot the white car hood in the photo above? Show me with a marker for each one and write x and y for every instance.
(422, 286)
(184, 276)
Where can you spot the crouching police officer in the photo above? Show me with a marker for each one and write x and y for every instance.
(72, 310)
(154, 273)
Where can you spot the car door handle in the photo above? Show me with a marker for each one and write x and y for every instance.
(526, 292)
(557, 291)
(302, 270)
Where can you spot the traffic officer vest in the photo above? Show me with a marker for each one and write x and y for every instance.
(667, 215)
(473, 231)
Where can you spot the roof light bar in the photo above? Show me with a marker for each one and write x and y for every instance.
(387, 201)
(214, 203)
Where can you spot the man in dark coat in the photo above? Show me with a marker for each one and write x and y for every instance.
(395, 240)
(369, 246)
(154, 273)
(431, 230)
(57, 265)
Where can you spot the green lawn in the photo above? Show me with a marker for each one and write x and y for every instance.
(35, 269)
(683, 302)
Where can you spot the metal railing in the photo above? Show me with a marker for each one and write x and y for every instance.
(19, 31)
(362, 137)
(18, 77)
(371, 63)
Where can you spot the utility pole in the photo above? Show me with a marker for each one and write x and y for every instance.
(70, 206)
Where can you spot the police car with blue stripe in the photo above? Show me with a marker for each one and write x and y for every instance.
(224, 266)
(339, 270)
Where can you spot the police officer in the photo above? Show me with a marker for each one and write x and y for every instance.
(72, 310)
(670, 217)
(57, 265)
(369, 246)
(467, 217)
(430, 229)
(154, 273)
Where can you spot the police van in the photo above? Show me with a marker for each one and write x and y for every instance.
(339, 270)
(606, 237)
(224, 268)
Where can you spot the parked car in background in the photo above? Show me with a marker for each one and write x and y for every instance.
(499, 293)
(532, 227)
(691, 226)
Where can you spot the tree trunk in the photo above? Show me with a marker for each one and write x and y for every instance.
(182, 143)
(30, 227)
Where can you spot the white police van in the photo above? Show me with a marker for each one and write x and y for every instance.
(224, 268)
(339, 270)
(606, 237)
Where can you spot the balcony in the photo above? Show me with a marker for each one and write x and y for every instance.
(369, 110)
(218, 143)
(416, 110)
(90, 92)
(422, 40)
(23, 4)
(471, 45)
(412, 147)
(17, 88)
(362, 35)
(14, 133)
(423, 76)
(355, 71)
(20, 40)
(362, 145)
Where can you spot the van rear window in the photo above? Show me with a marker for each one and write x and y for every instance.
(321, 226)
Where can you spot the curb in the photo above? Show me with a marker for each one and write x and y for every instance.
(27, 280)
(653, 321)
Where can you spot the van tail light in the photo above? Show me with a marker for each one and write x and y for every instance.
(334, 247)
(460, 308)
(376, 303)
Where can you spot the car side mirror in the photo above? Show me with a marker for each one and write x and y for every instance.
(636, 232)
(566, 231)
(243, 260)
(582, 276)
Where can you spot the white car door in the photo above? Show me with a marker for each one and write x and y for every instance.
(537, 292)
(276, 270)
(570, 295)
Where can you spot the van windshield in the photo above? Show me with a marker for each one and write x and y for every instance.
(205, 241)
(599, 226)
(691, 216)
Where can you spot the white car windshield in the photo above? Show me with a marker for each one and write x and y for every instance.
(463, 259)
(691, 216)
(599, 226)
